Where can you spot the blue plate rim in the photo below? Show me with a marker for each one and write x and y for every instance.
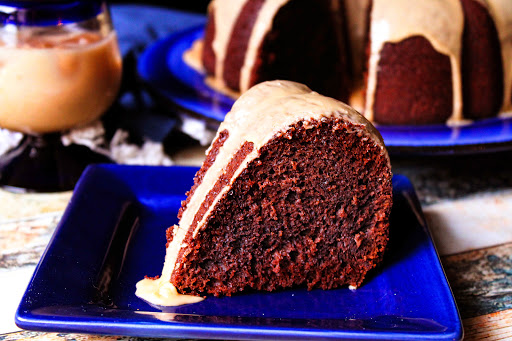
(27, 318)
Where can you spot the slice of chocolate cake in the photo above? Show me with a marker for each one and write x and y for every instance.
(295, 191)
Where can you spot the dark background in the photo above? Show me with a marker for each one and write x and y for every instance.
(186, 5)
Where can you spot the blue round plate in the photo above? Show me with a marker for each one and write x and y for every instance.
(162, 67)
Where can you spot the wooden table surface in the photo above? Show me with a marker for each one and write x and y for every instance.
(475, 244)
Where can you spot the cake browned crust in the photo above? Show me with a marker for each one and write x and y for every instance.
(237, 46)
(315, 57)
(210, 158)
(208, 55)
(414, 84)
(482, 69)
(311, 210)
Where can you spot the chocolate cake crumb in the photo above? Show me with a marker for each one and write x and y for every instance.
(311, 210)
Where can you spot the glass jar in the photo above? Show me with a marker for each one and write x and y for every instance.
(60, 65)
(60, 68)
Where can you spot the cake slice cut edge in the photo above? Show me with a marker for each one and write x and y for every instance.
(295, 191)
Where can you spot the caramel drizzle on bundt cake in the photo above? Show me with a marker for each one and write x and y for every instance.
(357, 21)
(260, 29)
(501, 12)
(225, 19)
(237, 31)
(221, 28)
(395, 20)
(441, 22)
(452, 59)
(266, 111)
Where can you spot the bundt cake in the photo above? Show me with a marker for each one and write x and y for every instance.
(295, 190)
(413, 62)
(438, 60)
(247, 42)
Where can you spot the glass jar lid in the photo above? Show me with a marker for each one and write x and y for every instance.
(47, 12)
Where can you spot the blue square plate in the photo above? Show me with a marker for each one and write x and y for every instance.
(113, 233)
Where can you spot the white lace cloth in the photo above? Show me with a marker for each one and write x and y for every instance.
(119, 149)
(9, 140)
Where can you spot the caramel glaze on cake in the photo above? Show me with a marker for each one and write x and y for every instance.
(440, 95)
(295, 190)
(432, 61)
(250, 41)
(482, 66)
(427, 61)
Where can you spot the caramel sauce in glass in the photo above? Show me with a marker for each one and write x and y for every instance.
(50, 83)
